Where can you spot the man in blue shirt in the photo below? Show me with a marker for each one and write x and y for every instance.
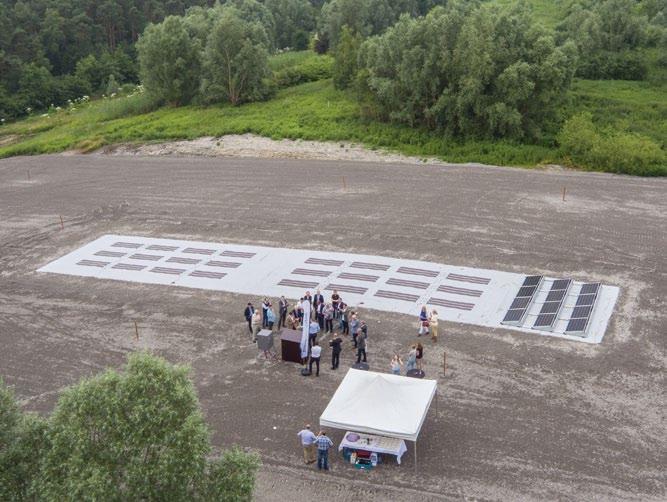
(323, 445)
(308, 442)
(313, 330)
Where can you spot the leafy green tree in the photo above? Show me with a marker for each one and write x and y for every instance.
(294, 19)
(136, 435)
(169, 61)
(22, 440)
(235, 60)
(255, 12)
(488, 71)
(346, 58)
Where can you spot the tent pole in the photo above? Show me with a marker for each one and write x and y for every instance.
(415, 455)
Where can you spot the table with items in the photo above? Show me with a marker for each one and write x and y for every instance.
(360, 442)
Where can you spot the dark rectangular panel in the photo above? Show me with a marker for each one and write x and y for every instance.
(459, 291)
(408, 284)
(544, 320)
(307, 271)
(129, 266)
(417, 271)
(93, 263)
(184, 261)
(207, 275)
(346, 288)
(129, 245)
(110, 254)
(207, 252)
(158, 247)
(526, 291)
(397, 296)
(238, 254)
(369, 266)
(358, 277)
(584, 300)
(468, 278)
(520, 303)
(146, 257)
(320, 261)
(442, 302)
(225, 264)
(532, 280)
(576, 325)
(550, 307)
(561, 284)
(589, 288)
(297, 284)
(514, 315)
(554, 296)
(580, 312)
(165, 270)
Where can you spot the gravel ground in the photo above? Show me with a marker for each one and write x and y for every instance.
(521, 417)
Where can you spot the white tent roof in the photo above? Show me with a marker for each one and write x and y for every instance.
(380, 403)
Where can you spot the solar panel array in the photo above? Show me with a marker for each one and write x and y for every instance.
(583, 309)
(554, 302)
(522, 300)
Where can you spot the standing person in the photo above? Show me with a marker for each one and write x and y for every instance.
(265, 307)
(396, 364)
(256, 323)
(328, 318)
(270, 317)
(412, 359)
(249, 311)
(363, 327)
(318, 300)
(344, 318)
(283, 307)
(313, 330)
(299, 311)
(293, 320)
(308, 440)
(433, 322)
(420, 355)
(361, 347)
(423, 322)
(335, 302)
(336, 348)
(354, 328)
(320, 315)
(315, 353)
(323, 445)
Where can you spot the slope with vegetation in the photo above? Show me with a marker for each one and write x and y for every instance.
(576, 82)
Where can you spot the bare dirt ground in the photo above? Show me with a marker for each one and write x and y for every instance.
(522, 417)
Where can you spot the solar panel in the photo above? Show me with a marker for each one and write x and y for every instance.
(514, 315)
(553, 304)
(561, 284)
(583, 309)
(532, 280)
(590, 288)
(544, 320)
(522, 301)
(585, 300)
(526, 291)
(556, 295)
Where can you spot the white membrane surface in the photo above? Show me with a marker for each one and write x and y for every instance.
(459, 294)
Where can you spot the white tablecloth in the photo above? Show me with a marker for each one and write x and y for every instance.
(378, 444)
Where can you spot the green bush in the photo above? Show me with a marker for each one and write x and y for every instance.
(309, 70)
(610, 150)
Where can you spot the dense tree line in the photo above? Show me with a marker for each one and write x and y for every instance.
(461, 65)
(135, 435)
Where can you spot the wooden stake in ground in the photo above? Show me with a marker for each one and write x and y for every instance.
(28, 174)
(344, 184)
(62, 223)
(444, 363)
(136, 331)
(564, 190)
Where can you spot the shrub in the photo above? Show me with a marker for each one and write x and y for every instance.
(312, 69)
(610, 150)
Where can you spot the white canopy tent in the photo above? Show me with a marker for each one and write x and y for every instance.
(380, 403)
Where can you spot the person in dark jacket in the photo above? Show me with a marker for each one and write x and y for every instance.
(249, 311)
(361, 347)
(336, 348)
(283, 306)
(318, 299)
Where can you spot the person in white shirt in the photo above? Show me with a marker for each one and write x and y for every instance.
(308, 442)
(315, 353)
